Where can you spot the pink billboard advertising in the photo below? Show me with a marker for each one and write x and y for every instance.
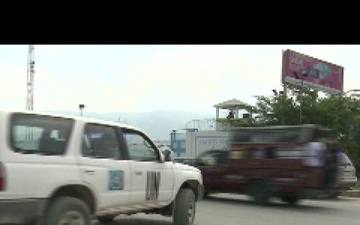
(320, 75)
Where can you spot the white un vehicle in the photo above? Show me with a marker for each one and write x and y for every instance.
(57, 169)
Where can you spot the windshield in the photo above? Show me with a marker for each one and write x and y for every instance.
(344, 160)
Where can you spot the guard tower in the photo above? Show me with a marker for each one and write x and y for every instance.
(234, 105)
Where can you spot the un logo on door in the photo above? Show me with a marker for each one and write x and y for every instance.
(116, 180)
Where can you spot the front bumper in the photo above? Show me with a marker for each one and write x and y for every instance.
(20, 210)
(346, 184)
(200, 192)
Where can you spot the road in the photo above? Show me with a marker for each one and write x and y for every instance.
(226, 209)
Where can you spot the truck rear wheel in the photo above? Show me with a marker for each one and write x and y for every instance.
(291, 199)
(185, 204)
(261, 192)
(69, 211)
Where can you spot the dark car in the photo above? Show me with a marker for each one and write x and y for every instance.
(348, 172)
(213, 165)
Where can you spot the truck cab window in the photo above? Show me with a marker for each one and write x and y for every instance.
(139, 148)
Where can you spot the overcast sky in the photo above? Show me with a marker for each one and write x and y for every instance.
(143, 78)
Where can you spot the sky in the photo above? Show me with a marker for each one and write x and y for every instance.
(145, 78)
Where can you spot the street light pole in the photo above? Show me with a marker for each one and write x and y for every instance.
(279, 95)
(81, 107)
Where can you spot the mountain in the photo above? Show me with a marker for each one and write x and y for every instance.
(157, 124)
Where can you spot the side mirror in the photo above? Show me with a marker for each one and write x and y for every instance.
(168, 155)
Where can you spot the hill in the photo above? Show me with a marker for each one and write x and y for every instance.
(157, 124)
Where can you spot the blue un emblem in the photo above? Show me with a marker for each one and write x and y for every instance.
(116, 180)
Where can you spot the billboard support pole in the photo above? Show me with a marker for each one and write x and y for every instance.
(285, 89)
(303, 73)
(301, 99)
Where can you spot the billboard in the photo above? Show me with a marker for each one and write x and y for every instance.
(320, 75)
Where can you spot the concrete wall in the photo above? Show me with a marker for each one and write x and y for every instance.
(199, 141)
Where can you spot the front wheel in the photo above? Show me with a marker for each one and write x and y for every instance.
(206, 194)
(69, 211)
(334, 194)
(290, 199)
(105, 219)
(184, 211)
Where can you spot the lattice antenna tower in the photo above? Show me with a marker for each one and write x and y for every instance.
(30, 78)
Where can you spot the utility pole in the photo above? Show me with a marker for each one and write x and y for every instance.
(30, 78)
(30, 87)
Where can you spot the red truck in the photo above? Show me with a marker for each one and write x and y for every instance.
(266, 162)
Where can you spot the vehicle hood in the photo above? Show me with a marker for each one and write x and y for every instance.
(181, 166)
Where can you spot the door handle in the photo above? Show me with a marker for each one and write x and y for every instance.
(90, 172)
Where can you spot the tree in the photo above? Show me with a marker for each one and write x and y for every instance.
(341, 113)
(338, 112)
(284, 109)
